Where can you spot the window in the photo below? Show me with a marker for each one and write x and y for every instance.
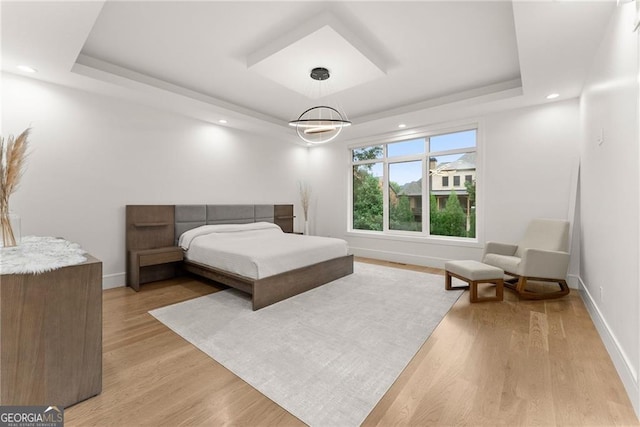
(367, 197)
(403, 186)
(367, 179)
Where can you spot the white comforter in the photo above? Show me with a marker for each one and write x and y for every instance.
(257, 250)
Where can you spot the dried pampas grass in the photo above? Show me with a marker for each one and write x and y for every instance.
(13, 154)
(305, 198)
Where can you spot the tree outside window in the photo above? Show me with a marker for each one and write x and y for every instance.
(367, 190)
(405, 196)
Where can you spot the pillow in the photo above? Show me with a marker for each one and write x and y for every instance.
(187, 237)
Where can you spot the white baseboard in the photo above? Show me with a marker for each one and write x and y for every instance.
(116, 280)
(573, 280)
(627, 374)
(399, 257)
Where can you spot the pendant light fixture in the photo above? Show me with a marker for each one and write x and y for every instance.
(321, 124)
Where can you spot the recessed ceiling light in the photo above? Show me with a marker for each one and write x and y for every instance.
(223, 121)
(26, 69)
(402, 125)
(553, 95)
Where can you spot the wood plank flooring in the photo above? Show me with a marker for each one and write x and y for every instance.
(510, 363)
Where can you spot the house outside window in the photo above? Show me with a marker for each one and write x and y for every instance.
(402, 186)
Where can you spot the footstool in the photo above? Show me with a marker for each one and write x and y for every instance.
(474, 272)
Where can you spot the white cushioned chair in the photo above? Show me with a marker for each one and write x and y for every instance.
(541, 255)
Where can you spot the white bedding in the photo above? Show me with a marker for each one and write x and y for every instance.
(257, 250)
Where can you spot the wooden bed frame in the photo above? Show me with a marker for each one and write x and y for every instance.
(152, 228)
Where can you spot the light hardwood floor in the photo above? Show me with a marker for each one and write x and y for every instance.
(501, 363)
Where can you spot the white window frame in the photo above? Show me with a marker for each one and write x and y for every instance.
(424, 235)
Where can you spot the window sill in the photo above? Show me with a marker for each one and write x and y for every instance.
(430, 240)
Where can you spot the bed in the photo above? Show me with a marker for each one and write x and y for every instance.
(215, 239)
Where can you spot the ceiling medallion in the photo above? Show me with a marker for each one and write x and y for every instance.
(320, 124)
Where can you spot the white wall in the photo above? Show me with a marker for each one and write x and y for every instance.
(92, 155)
(528, 157)
(609, 195)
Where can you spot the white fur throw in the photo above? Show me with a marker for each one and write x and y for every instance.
(39, 254)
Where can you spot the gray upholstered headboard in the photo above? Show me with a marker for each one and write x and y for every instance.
(192, 216)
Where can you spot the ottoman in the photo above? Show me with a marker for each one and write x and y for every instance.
(474, 272)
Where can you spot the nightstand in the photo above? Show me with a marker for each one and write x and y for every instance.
(139, 259)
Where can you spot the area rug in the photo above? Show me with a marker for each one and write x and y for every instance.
(328, 355)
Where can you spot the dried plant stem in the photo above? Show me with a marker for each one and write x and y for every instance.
(305, 197)
(13, 154)
(8, 237)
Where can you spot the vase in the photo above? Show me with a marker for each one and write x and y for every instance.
(306, 228)
(10, 229)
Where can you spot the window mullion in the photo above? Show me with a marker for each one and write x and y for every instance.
(426, 179)
(385, 194)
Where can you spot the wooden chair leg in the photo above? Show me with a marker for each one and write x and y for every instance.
(447, 280)
(522, 284)
(500, 290)
(564, 290)
(448, 283)
(473, 289)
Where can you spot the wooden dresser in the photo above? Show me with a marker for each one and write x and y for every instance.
(51, 335)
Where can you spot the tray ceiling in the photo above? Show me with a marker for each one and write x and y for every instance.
(427, 49)
(416, 62)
